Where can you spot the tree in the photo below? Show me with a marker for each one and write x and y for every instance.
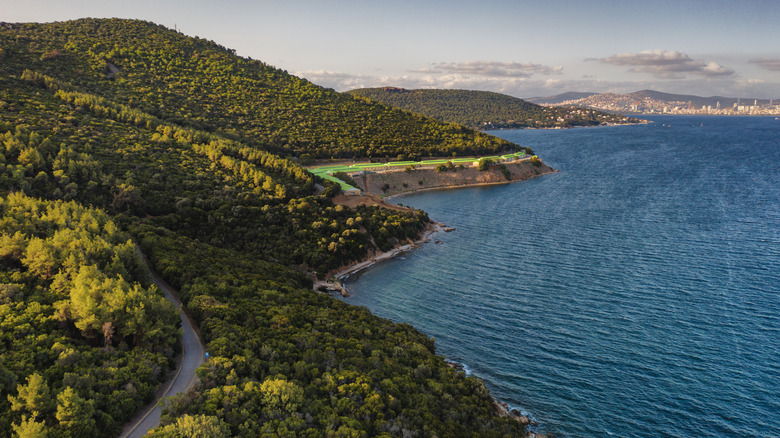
(109, 306)
(12, 246)
(281, 397)
(29, 428)
(108, 332)
(195, 426)
(127, 199)
(484, 163)
(75, 414)
(34, 397)
(41, 258)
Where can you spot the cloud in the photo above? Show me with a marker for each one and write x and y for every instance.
(472, 75)
(772, 64)
(514, 86)
(687, 78)
(494, 69)
(667, 64)
(339, 81)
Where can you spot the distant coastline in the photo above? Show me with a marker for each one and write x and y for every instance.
(603, 125)
(651, 102)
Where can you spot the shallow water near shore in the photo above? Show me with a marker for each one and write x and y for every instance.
(635, 293)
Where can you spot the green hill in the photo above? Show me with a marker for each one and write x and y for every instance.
(117, 129)
(198, 84)
(485, 109)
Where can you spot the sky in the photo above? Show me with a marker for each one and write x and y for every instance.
(521, 48)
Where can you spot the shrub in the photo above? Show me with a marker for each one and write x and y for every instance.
(346, 178)
(506, 173)
(484, 163)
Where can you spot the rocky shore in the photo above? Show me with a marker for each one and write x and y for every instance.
(333, 281)
(399, 181)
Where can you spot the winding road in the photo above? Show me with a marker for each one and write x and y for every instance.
(191, 357)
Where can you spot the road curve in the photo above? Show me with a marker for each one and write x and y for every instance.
(191, 357)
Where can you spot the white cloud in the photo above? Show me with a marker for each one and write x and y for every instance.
(514, 86)
(472, 76)
(667, 64)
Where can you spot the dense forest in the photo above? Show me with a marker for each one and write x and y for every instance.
(487, 110)
(198, 84)
(120, 137)
(84, 340)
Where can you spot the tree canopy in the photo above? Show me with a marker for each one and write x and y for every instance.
(84, 339)
(199, 84)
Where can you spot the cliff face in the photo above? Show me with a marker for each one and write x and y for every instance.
(402, 181)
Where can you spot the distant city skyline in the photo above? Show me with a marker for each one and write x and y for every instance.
(520, 48)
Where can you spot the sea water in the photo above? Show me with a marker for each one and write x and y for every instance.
(635, 293)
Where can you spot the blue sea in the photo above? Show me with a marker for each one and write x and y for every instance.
(635, 293)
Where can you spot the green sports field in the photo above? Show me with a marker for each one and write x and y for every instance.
(326, 172)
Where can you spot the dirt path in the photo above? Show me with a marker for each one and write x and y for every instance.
(353, 201)
(191, 357)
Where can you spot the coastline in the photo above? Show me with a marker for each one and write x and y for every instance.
(333, 281)
(464, 186)
(602, 125)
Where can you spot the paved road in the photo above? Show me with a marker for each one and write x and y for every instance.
(192, 356)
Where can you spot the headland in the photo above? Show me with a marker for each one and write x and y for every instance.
(376, 187)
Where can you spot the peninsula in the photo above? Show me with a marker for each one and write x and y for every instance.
(396, 177)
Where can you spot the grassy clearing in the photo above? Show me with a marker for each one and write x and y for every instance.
(326, 172)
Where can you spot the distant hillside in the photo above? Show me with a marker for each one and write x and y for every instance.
(484, 109)
(649, 101)
(559, 98)
(696, 100)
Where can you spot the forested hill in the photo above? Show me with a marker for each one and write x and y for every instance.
(116, 134)
(486, 110)
(202, 85)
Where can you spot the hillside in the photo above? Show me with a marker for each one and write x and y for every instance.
(485, 110)
(178, 151)
(559, 98)
(650, 101)
(199, 84)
